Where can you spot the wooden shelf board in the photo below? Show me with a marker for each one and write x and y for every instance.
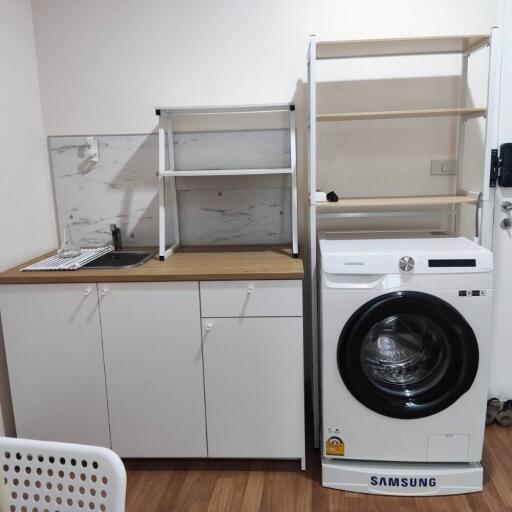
(401, 46)
(397, 114)
(227, 172)
(362, 203)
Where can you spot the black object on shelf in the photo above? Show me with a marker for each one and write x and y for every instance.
(332, 197)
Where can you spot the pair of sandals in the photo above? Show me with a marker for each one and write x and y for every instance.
(496, 413)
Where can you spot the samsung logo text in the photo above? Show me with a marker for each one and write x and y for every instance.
(384, 481)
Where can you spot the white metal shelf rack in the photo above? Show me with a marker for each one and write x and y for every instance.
(167, 169)
(411, 205)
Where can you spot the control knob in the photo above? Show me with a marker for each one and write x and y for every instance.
(406, 263)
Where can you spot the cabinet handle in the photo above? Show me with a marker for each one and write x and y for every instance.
(87, 292)
(250, 289)
(208, 327)
(104, 291)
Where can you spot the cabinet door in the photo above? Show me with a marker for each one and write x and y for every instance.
(254, 387)
(55, 359)
(153, 361)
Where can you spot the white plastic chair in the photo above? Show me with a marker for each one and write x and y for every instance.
(44, 476)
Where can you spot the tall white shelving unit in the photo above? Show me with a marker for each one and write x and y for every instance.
(349, 207)
(167, 168)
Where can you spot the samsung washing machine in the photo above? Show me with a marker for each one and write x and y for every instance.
(405, 338)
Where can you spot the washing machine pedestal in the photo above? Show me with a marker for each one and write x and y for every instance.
(401, 478)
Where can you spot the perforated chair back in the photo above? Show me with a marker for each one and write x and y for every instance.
(44, 476)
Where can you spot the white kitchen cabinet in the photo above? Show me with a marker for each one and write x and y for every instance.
(188, 369)
(153, 364)
(254, 387)
(52, 338)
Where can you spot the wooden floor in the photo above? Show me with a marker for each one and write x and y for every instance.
(240, 486)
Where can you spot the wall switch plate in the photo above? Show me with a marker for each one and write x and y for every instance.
(443, 167)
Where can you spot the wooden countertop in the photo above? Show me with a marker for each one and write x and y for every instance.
(187, 264)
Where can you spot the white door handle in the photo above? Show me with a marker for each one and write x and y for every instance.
(87, 292)
(208, 327)
(104, 291)
(250, 289)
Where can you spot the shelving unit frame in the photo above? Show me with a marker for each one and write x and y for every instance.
(167, 167)
(389, 206)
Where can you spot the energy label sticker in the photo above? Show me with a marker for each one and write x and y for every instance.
(335, 446)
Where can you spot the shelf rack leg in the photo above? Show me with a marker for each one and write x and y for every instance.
(315, 374)
(174, 198)
(161, 194)
(461, 139)
(164, 251)
(293, 165)
(491, 135)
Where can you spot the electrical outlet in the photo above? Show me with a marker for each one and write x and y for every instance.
(443, 167)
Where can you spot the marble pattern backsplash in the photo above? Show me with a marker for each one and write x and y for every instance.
(121, 188)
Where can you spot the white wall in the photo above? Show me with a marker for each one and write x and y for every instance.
(26, 210)
(105, 65)
(27, 223)
(104, 68)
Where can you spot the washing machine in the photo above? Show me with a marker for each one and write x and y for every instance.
(405, 339)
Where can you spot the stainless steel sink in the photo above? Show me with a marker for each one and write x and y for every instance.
(120, 259)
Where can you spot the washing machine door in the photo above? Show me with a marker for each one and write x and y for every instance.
(407, 355)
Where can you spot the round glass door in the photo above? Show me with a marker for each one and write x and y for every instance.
(407, 355)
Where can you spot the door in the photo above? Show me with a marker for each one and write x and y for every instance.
(153, 362)
(55, 360)
(407, 355)
(254, 387)
(500, 384)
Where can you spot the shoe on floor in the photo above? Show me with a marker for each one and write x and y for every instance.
(493, 408)
(504, 417)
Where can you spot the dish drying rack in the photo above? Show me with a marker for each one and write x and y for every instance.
(57, 262)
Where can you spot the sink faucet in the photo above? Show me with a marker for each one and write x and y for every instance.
(116, 237)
